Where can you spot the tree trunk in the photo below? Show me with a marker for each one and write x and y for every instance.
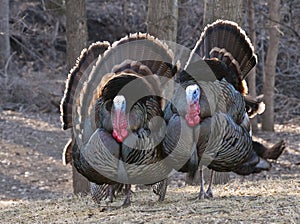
(80, 183)
(76, 33)
(162, 19)
(4, 34)
(251, 80)
(76, 30)
(162, 23)
(228, 10)
(220, 9)
(271, 58)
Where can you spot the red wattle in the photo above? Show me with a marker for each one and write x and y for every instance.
(119, 139)
(115, 134)
(124, 133)
(119, 126)
(193, 114)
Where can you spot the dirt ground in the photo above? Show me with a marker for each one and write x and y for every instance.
(31, 167)
(37, 188)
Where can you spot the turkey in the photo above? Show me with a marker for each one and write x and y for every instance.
(113, 104)
(254, 106)
(269, 153)
(207, 121)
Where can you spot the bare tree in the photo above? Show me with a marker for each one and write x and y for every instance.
(76, 29)
(229, 10)
(220, 9)
(162, 19)
(4, 33)
(252, 74)
(270, 70)
(77, 36)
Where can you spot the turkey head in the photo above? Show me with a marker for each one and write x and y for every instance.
(193, 107)
(120, 131)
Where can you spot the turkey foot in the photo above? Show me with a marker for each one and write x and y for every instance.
(209, 193)
(111, 193)
(203, 195)
(162, 194)
(127, 201)
(110, 208)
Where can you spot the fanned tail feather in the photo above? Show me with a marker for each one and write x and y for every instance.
(87, 58)
(227, 50)
(132, 54)
(103, 71)
(67, 153)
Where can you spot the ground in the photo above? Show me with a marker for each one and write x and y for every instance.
(37, 188)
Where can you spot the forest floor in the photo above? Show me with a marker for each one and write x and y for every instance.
(37, 188)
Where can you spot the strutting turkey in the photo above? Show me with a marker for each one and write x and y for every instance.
(207, 120)
(113, 105)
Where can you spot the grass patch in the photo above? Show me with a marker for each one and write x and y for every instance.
(264, 201)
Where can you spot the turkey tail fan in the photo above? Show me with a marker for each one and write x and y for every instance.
(226, 37)
(151, 83)
(67, 153)
(150, 51)
(142, 48)
(227, 50)
(132, 86)
(83, 64)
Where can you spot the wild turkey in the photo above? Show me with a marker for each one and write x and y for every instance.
(207, 120)
(254, 106)
(113, 103)
(269, 153)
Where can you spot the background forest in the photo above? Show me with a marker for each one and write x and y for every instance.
(36, 187)
(38, 47)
